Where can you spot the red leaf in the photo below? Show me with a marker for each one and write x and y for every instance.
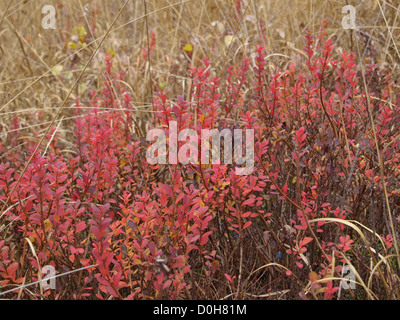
(305, 241)
(204, 238)
(247, 224)
(228, 277)
(80, 226)
(111, 291)
(248, 202)
(166, 284)
(11, 269)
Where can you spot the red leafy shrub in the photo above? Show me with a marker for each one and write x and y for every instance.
(313, 203)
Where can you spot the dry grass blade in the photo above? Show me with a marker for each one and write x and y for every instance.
(39, 267)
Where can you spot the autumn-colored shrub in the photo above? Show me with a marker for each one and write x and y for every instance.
(323, 193)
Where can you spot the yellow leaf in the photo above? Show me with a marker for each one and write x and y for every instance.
(188, 48)
(201, 119)
(221, 27)
(57, 70)
(111, 52)
(79, 30)
(229, 40)
(72, 45)
(313, 277)
(47, 225)
(123, 162)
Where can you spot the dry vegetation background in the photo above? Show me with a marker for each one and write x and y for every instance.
(211, 27)
(38, 68)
